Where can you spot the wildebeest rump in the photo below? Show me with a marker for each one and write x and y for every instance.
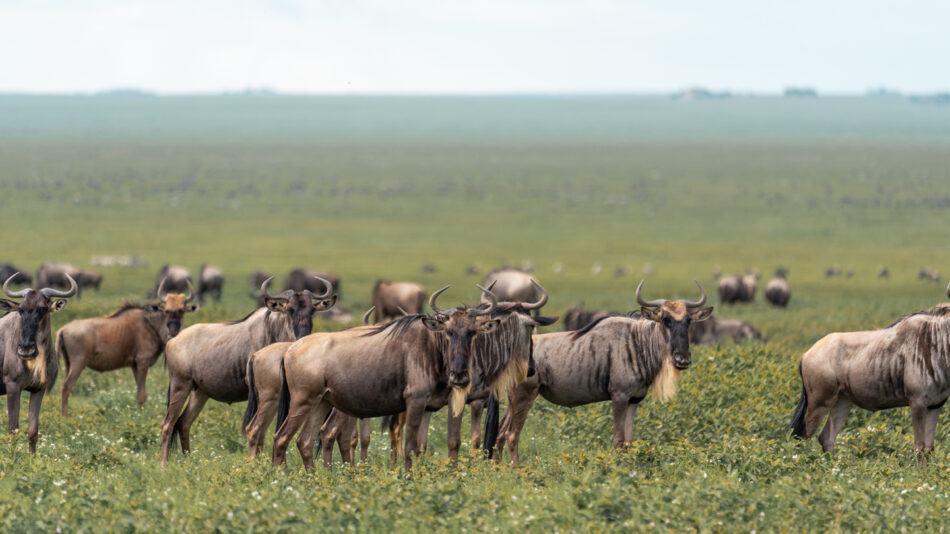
(391, 297)
(133, 336)
(777, 291)
(512, 285)
(210, 281)
(174, 277)
(27, 359)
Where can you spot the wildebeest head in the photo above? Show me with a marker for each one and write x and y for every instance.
(675, 316)
(34, 312)
(459, 326)
(173, 308)
(299, 306)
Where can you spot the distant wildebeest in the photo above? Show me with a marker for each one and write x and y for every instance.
(750, 282)
(210, 281)
(27, 358)
(257, 278)
(54, 275)
(133, 336)
(300, 279)
(210, 360)
(512, 286)
(423, 360)
(576, 317)
(176, 278)
(928, 274)
(883, 272)
(22, 277)
(777, 291)
(849, 273)
(429, 268)
(622, 271)
(473, 270)
(615, 359)
(731, 289)
(904, 364)
(713, 330)
(391, 299)
(833, 270)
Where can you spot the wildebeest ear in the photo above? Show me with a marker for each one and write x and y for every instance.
(8, 305)
(193, 308)
(275, 305)
(57, 305)
(701, 315)
(545, 321)
(489, 326)
(433, 324)
(653, 314)
(326, 303)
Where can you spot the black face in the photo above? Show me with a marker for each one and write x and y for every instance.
(301, 308)
(461, 329)
(173, 320)
(34, 313)
(679, 340)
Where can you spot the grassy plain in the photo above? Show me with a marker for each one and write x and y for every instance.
(375, 187)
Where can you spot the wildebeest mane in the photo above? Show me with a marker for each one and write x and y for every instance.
(126, 307)
(399, 326)
(937, 311)
(593, 324)
(246, 317)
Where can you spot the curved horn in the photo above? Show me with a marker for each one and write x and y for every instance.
(434, 296)
(73, 287)
(326, 283)
(948, 289)
(22, 292)
(701, 301)
(366, 316)
(491, 306)
(191, 295)
(161, 294)
(402, 311)
(492, 284)
(648, 303)
(538, 304)
(264, 288)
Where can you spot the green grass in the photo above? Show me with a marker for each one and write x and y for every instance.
(374, 188)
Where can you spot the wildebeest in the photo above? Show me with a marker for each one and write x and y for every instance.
(391, 299)
(713, 330)
(422, 360)
(303, 279)
(731, 289)
(905, 364)
(210, 280)
(883, 272)
(834, 270)
(576, 317)
(257, 278)
(22, 277)
(750, 282)
(777, 291)
(928, 274)
(27, 358)
(615, 359)
(512, 285)
(176, 278)
(210, 360)
(133, 336)
(54, 275)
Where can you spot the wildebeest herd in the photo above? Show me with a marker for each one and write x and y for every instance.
(325, 386)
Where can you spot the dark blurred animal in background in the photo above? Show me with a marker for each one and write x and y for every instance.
(928, 274)
(54, 275)
(210, 280)
(715, 330)
(176, 278)
(395, 299)
(429, 267)
(576, 317)
(300, 279)
(22, 277)
(833, 270)
(513, 286)
(883, 272)
(777, 291)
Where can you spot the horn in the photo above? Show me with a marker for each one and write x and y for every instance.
(402, 311)
(22, 292)
(648, 303)
(264, 288)
(191, 295)
(326, 283)
(538, 304)
(161, 286)
(435, 296)
(948, 289)
(50, 292)
(366, 316)
(699, 302)
(491, 306)
(492, 284)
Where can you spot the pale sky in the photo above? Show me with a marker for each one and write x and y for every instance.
(493, 46)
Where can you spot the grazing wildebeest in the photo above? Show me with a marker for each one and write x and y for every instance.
(777, 291)
(210, 280)
(576, 317)
(883, 272)
(905, 364)
(27, 358)
(133, 336)
(22, 277)
(257, 278)
(413, 364)
(615, 359)
(713, 330)
(210, 360)
(390, 297)
(176, 278)
(303, 279)
(512, 286)
(54, 275)
(750, 281)
(473, 270)
(928, 274)
(833, 270)
(731, 289)
(429, 267)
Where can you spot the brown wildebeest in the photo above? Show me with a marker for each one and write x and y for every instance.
(413, 364)
(176, 278)
(27, 358)
(210, 360)
(713, 330)
(904, 364)
(210, 280)
(133, 336)
(616, 359)
(512, 285)
(304, 279)
(22, 277)
(777, 291)
(54, 275)
(390, 297)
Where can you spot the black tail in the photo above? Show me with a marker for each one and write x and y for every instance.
(798, 418)
(177, 428)
(61, 347)
(385, 422)
(283, 405)
(491, 426)
(251, 398)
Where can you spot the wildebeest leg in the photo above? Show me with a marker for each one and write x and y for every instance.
(76, 367)
(478, 406)
(415, 412)
(329, 431)
(931, 428)
(257, 428)
(503, 426)
(423, 439)
(819, 404)
(395, 437)
(628, 422)
(141, 372)
(33, 423)
(177, 393)
(309, 432)
(13, 407)
(519, 404)
(454, 436)
(835, 421)
(918, 415)
(196, 402)
(620, 405)
(365, 433)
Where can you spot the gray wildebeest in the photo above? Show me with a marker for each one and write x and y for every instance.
(54, 275)
(210, 360)
(210, 281)
(731, 289)
(133, 336)
(928, 274)
(616, 359)
(713, 330)
(905, 364)
(27, 359)
(174, 277)
(304, 279)
(512, 285)
(777, 291)
(413, 364)
(576, 317)
(395, 299)
(22, 277)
